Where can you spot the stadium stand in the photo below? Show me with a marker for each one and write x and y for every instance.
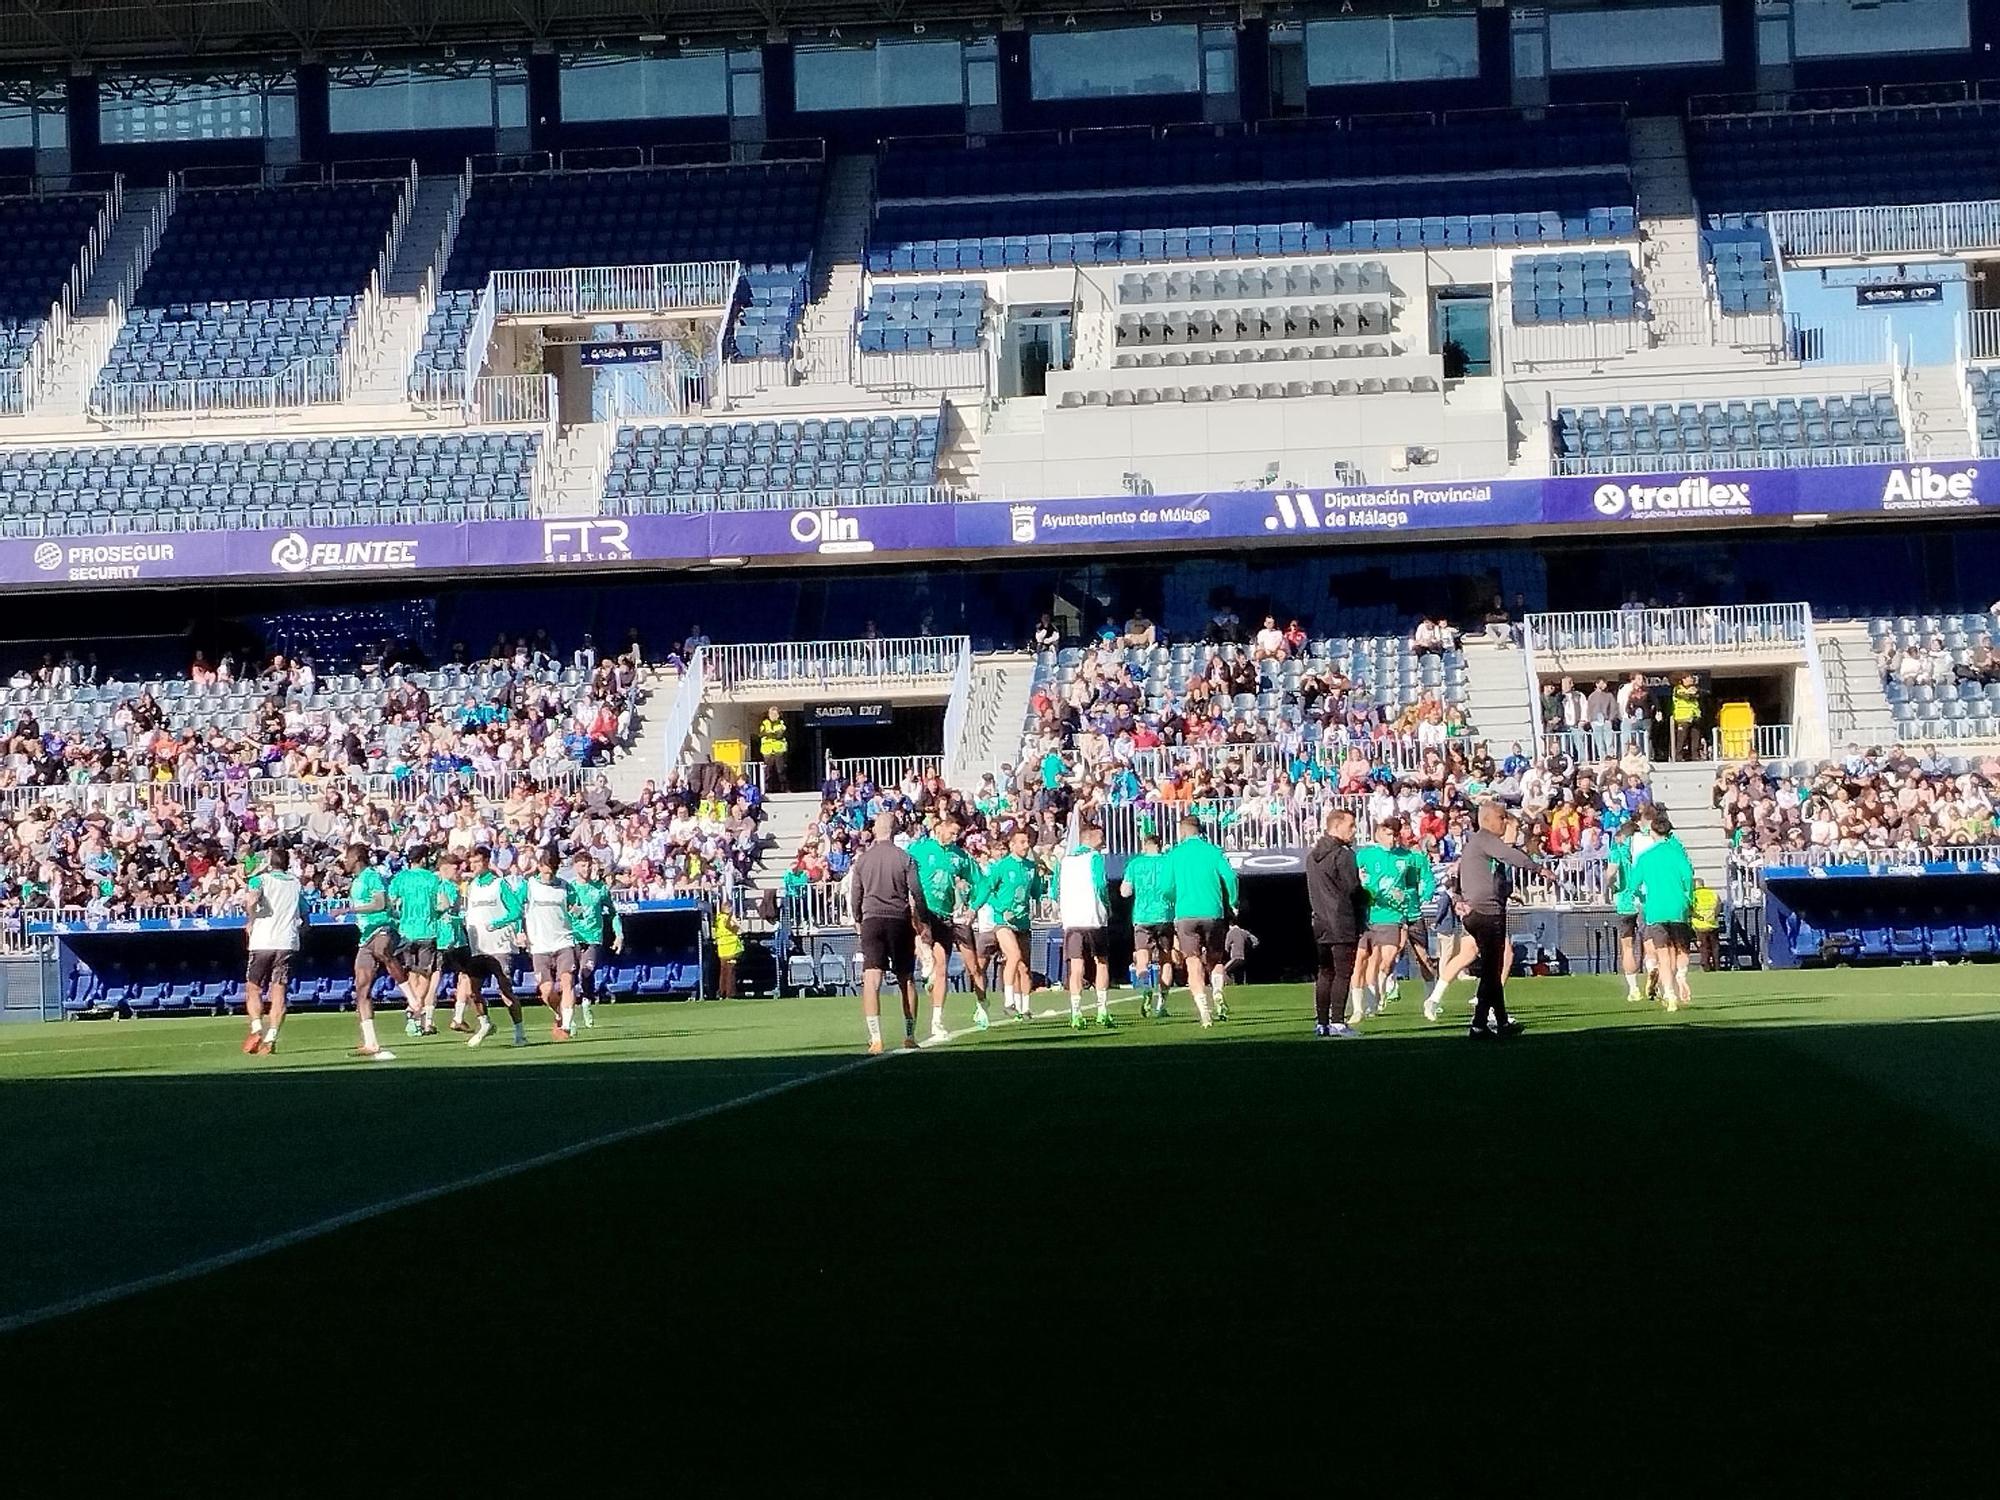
(1779, 432)
(317, 481)
(1937, 153)
(700, 466)
(1939, 675)
(249, 281)
(762, 216)
(41, 238)
(931, 315)
(1568, 288)
(1124, 198)
(1983, 388)
(1741, 265)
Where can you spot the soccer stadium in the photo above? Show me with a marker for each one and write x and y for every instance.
(1372, 621)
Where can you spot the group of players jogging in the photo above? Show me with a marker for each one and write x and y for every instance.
(443, 926)
(917, 907)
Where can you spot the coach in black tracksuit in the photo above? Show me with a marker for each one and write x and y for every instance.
(1339, 917)
(1486, 862)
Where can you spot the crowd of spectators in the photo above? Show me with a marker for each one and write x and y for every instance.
(1933, 664)
(1863, 805)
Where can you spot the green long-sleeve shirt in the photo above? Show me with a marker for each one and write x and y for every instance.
(941, 871)
(1382, 878)
(1009, 891)
(1419, 882)
(1663, 878)
(590, 908)
(1204, 885)
(1150, 880)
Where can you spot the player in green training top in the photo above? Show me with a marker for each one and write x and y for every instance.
(454, 957)
(1381, 866)
(1419, 885)
(1618, 861)
(1204, 893)
(1011, 885)
(1149, 884)
(944, 871)
(591, 910)
(413, 898)
(368, 896)
(1663, 880)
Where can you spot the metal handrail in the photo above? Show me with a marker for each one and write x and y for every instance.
(1721, 626)
(790, 665)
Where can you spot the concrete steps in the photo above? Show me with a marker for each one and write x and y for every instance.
(1857, 709)
(100, 311)
(1002, 683)
(1934, 413)
(571, 482)
(1496, 690)
(648, 759)
(787, 817)
(1686, 790)
(1669, 233)
(383, 374)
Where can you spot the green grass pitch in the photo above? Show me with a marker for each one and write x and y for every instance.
(1768, 1224)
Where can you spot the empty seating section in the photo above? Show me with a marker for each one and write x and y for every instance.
(1939, 710)
(1574, 288)
(265, 482)
(1984, 388)
(729, 465)
(1182, 385)
(247, 281)
(40, 240)
(929, 315)
(1746, 273)
(1036, 203)
(763, 216)
(1845, 158)
(1758, 434)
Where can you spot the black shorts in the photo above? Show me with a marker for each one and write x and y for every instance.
(549, 967)
(985, 947)
(1083, 945)
(480, 967)
(934, 929)
(1385, 935)
(1628, 926)
(270, 966)
(1157, 938)
(588, 957)
(889, 944)
(453, 960)
(376, 953)
(1200, 938)
(964, 937)
(1675, 934)
(1419, 933)
(418, 956)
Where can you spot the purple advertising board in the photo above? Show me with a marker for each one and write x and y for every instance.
(988, 527)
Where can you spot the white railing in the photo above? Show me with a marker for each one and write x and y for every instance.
(1236, 824)
(813, 663)
(1857, 340)
(512, 400)
(922, 370)
(1758, 742)
(1801, 457)
(427, 298)
(29, 387)
(1533, 346)
(1961, 344)
(1822, 737)
(958, 705)
(1531, 684)
(886, 771)
(1726, 627)
(681, 714)
(373, 786)
(1980, 334)
(306, 382)
(479, 338)
(1566, 880)
(671, 503)
(621, 291)
(1917, 228)
(371, 313)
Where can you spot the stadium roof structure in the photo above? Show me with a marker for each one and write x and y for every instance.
(84, 31)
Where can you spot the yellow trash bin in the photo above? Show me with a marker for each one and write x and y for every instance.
(729, 752)
(1735, 731)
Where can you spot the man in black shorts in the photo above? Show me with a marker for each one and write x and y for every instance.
(885, 904)
(368, 894)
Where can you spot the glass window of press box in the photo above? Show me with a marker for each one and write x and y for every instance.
(1627, 37)
(1133, 60)
(888, 75)
(602, 86)
(139, 111)
(474, 95)
(1391, 49)
(1843, 28)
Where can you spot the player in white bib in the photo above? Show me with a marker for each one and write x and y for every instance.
(1082, 898)
(492, 924)
(273, 900)
(545, 899)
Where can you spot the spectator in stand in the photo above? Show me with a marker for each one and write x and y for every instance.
(1980, 664)
(1269, 644)
(1601, 707)
(1687, 718)
(1139, 632)
(1635, 724)
(1047, 637)
(694, 641)
(1295, 640)
(1224, 627)
(1574, 708)
(1425, 640)
(1499, 623)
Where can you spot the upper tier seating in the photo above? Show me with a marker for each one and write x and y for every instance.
(1758, 434)
(247, 281)
(1985, 390)
(1033, 203)
(1845, 158)
(729, 465)
(932, 315)
(320, 481)
(763, 216)
(1746, 274)
(40, 240)
(1574, 288)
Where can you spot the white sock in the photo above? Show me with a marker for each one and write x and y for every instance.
(1436, 996)
(430, 1011)
(410, 1000)
(1631, 984)
(1076, 1005)
(458, 1013)
(1681, 984)
(937, 1017)
(256, 1024)
(368, 1032)
(1201, 1007)
(585, 1003)
(874, 1028)
(1013, 1001)
(1216, 981)
(271, 1032)
(568, 1014)
(1103, 1001)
